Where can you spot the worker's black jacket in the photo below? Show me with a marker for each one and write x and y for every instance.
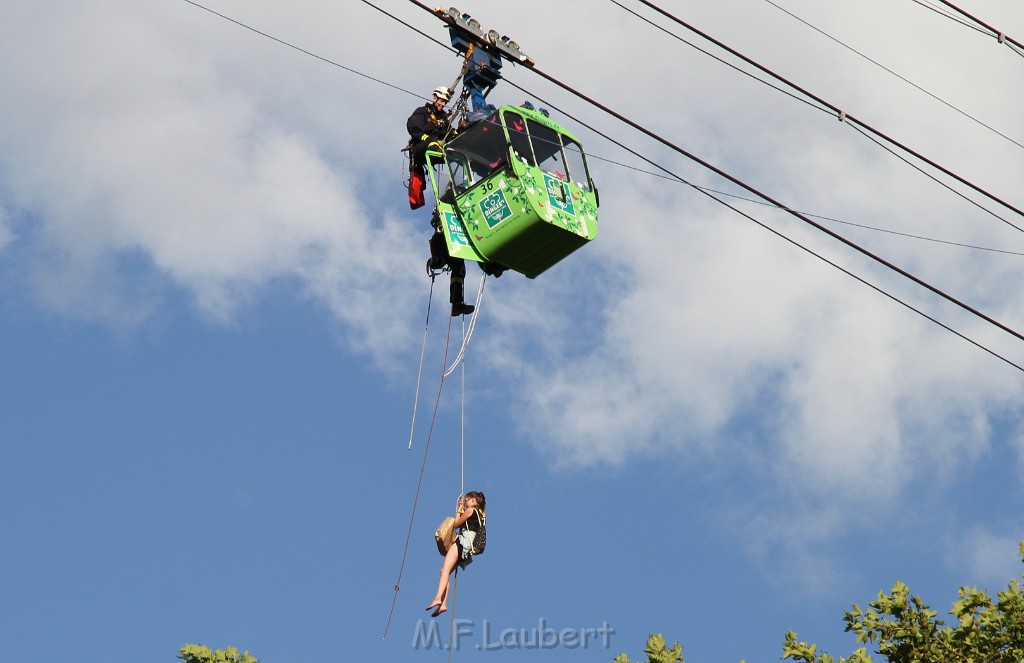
(426, 124)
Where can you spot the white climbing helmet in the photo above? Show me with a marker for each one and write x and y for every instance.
(443, 92)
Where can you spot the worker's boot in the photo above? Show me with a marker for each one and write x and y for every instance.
(459, 307)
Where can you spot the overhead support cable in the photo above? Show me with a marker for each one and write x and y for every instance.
(890, 71)
(999, 35)
(842, 118)
(300, 49)
(840, 113)
(711, 55)
(931, 6)
(408, 25)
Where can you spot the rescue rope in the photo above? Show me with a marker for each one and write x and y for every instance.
(462, 495)
(455, 580)
(451, 629)
(419, 372)
(419, 486)
(467, 333)
(472, 326)
(462, 489)
(462, 450)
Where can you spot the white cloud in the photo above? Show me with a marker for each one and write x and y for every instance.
(161, 149)
(990, 556)
(139, 141)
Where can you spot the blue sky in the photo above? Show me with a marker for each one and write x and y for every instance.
(212, 303)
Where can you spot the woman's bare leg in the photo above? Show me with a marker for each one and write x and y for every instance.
(447, 566)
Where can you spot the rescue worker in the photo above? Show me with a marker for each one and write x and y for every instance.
(429, 125)
(439, 258)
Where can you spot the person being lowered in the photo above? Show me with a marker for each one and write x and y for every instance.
(430, 125)
(471, 541)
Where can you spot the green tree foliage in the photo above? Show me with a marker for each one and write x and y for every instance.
(657, 652)
(202, 654)
(903, 629)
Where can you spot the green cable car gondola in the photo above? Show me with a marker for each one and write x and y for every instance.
(513, 190)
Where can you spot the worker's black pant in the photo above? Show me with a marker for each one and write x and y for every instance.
(439, 257)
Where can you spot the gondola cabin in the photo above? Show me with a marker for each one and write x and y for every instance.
(514, 189)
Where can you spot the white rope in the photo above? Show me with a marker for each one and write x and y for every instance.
(462, 496)
(462, 451)
(419, 373)
(472, 325)
(451, 633)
